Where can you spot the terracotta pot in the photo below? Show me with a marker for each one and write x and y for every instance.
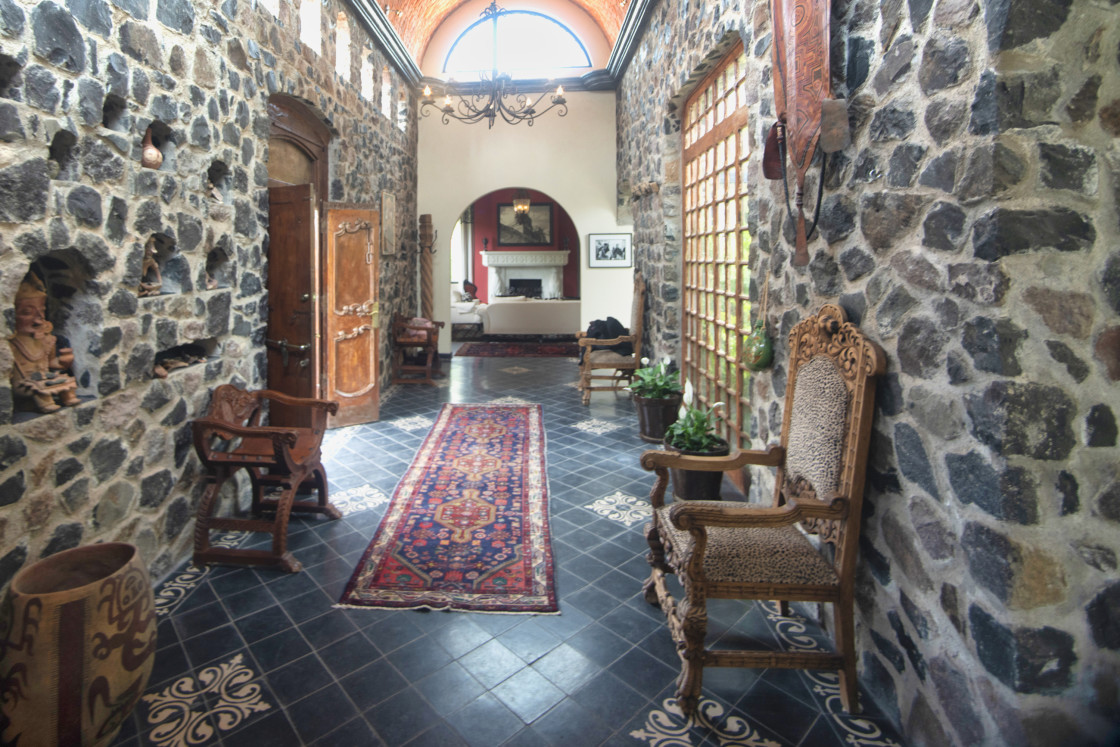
(150, 156)
(694, 485)
(655, 415)
(79, 633)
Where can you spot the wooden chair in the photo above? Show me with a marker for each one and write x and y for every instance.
(280, 460)
(733, 550)
(621, 367)
(415, 350)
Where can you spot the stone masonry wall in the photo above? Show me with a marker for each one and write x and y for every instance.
(971, 229)
(80, 84)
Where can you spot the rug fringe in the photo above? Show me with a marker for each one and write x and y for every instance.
(341, 606)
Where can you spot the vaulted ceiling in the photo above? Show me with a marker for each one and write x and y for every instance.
(416, 20)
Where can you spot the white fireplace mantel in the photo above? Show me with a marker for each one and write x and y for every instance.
(548, 267)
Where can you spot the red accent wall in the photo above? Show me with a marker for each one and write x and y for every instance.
(485, 226)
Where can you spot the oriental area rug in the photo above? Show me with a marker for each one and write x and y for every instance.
(467, 528)
(519, 349)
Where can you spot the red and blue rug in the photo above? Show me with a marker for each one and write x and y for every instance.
(467, 528)
(518, 349)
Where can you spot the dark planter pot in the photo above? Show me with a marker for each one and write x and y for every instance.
(655, 415)
(693, 485)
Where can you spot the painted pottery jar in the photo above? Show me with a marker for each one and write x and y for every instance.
(758, 349)
(79, 642)
(150, 156)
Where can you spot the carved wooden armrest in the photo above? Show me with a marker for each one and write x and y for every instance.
(284, 436)
(689, 515)
(286, 399)
(589, 341)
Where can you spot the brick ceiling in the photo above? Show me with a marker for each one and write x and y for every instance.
(418, 19)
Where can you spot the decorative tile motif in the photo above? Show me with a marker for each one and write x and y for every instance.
(597, 426)
(668, 727)
(175, 590)
(625, 509)
(176, 711)
(510, 401)
(357, 499)
(826, 684)
(414, 423)
(515, 370)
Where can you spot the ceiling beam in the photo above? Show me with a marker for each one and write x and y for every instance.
(377, 24)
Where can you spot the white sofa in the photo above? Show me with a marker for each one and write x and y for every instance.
(518, 315)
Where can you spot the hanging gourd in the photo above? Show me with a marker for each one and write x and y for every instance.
(758, 348)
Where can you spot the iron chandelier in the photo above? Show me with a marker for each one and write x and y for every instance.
(492, 97)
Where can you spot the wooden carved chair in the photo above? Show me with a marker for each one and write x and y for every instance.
(733, 550)
(621, 367)
(415, 350)
(278, 460)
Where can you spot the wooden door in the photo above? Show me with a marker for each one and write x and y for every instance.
(293, 305)
(351, 315)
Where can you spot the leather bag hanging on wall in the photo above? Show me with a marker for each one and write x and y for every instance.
(802, 99)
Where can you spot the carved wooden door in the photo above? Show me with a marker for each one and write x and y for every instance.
(293, 310)
(351, 315)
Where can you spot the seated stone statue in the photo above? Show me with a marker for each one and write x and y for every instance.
(151, 281)
(40, 370)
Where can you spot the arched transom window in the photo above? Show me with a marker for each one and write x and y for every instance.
(523, 43)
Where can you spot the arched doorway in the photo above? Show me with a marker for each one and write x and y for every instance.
(322, 337)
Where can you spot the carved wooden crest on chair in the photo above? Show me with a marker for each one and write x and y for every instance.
(597, 357)
(279, 462)
(729, 550)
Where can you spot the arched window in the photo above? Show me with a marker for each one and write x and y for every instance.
(342, 47)
(310, 25)
(367, 76)
(523, 43)
(386, 92)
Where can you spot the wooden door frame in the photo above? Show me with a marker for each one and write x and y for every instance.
(293, 120)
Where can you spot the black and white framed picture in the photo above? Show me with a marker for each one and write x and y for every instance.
(532, 228)
(609, 250)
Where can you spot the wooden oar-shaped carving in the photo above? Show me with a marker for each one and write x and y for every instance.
(801, 84)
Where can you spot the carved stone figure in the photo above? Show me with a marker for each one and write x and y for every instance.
(41, 369)
(150, 278)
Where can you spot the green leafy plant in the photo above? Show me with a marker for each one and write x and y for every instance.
(695, 430)
(656, 382)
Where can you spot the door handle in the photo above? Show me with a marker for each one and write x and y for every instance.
(287, 347)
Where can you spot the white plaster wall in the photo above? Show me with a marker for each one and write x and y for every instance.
(571, 159)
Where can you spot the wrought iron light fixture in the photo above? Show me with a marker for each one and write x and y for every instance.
(521, 202)
(494, 97)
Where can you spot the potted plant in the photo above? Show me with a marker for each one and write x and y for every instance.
(694, 434)
(657, 397)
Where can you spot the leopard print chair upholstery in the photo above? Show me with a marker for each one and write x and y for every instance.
(736, 550)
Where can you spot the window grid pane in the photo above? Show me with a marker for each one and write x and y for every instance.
(716, 308)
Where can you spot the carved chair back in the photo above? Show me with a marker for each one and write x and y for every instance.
(827, 424)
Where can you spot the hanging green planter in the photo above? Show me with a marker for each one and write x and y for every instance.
(758, 348)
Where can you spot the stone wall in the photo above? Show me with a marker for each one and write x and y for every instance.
(972, 229)
(80, 85)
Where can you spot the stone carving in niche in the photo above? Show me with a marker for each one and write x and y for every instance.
(151, 279)
(181, 356)
(157, 151)
(41, 374)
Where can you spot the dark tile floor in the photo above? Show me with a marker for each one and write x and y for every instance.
(258, 657)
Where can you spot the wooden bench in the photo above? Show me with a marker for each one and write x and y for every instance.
(280, 461)
(415, 350)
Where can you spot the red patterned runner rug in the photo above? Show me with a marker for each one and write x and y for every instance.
(467, 528)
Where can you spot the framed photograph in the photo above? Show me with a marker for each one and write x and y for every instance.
(527, 229)
(388, 223)
(609, 250)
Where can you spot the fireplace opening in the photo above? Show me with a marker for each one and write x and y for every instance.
(528, 287)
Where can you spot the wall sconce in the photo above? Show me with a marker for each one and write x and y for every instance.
(521, 202)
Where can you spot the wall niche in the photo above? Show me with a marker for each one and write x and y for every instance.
(114, 113)
(61, 163)
(219, 181)
(163, 269)
(220, 272)
(157, 149)
(9, 75)
(184, 356)
(56, 298)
